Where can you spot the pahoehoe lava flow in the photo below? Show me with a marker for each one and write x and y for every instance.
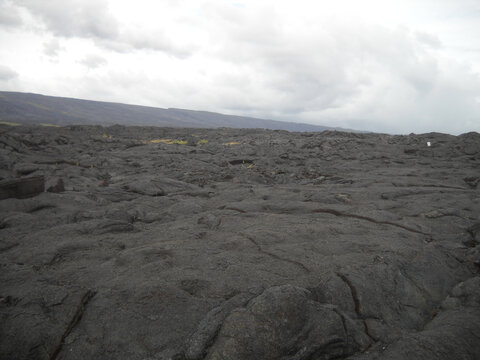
(179, 243)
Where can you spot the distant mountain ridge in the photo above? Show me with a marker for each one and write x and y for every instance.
(28, 108)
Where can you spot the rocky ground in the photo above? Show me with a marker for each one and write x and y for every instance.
(156, 243)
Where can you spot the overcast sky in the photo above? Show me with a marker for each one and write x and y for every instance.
(395, 66)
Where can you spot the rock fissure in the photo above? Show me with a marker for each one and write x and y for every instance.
(356, 301)
(87, 296)
(275, 256)
(366, 218)
(8, 247)
(430, 185)
(354, 293)
(233, 209)
(342, 317)
(316, 351)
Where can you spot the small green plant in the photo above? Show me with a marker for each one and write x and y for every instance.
(249, 166)
(165, 141)
(231, 143)
(49, 125)
(180, 142)
(8, 123)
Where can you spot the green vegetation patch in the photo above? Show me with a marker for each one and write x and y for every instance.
(165, 141)
(8, 123)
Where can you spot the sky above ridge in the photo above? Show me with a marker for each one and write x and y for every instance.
(396, 66)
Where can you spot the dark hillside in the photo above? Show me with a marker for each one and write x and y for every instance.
(26, 108)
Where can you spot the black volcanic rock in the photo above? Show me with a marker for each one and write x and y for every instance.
(252, 244)
(22, 188)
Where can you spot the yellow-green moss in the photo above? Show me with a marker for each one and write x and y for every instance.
(9, 123)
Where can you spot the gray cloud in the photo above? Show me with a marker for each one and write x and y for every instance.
(80, 18)
(130, 41)
(156, 41)
(52, 47)
(93, 61)
(428, 39)
(7, 74)
(92, 19)
(9, 15)
(359, 76)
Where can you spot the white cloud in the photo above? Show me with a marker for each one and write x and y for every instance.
(398, 66)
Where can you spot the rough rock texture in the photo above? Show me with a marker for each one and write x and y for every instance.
(158, 243)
